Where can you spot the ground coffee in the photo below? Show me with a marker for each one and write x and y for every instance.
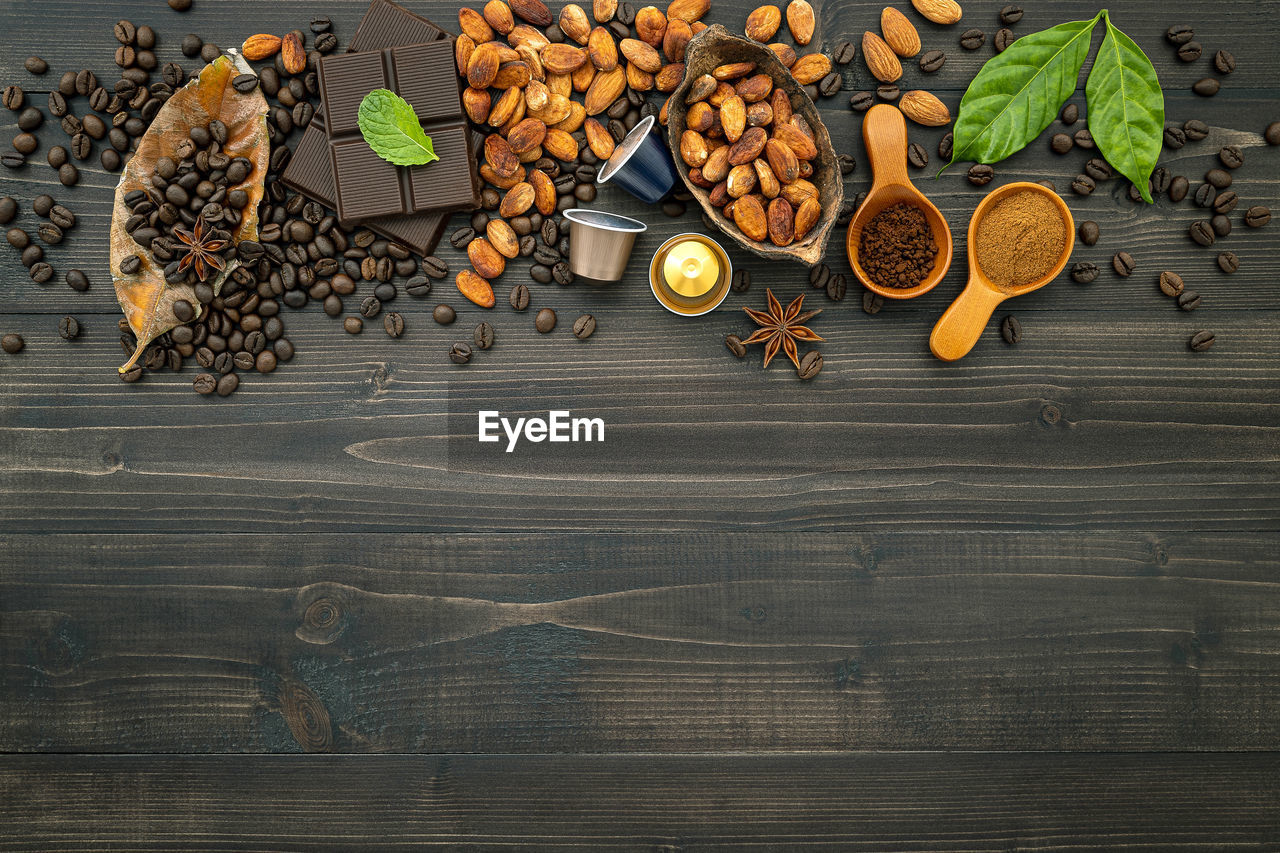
(1020, 239)
(897, 247)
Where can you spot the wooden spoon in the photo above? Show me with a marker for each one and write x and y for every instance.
(962, 323)
(885, 133)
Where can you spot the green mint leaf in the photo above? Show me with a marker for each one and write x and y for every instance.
(1018, 93)
(391, 128)
(1126, 108)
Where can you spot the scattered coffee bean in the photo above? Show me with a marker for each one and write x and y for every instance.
(888, 92)
(1160, 180)
(846, 163)
(1171, 283)
(1220, 224)
(460, 353)
(35, 65)
(68, 328)
(837, 285)
(917, 156)
(931, 61)
(819, 275)
(462, 237)
(1061, 143)
(810, 365)
(77, 280)
(1201, 341)
(1201, 232)
(1189, 51)
(980, 174)
(41, 272)
(1174, 138)
(1219, 178)
(844, 53)
(545, 320)
(872, 302)
(1084, 272)
(1083, 138)
(1206, 87)
(483, 336)
(1224, 62)
(1179, 34)
(1002, 39)
(541, 273)
(8, 210)
(1226, 201)
(1082, 185)
(1205, 195)
(1272, 133)
(862, 101)
(12, 343)
(1228, 262)
(444, 315)
(562, 274)
(1088, 232)
(1010, 329)
(14, 97)
(1188, 300)
(41, 205)
(519, 297)
(1195, 129)
(130, 265)
(1258, 216)
(734, 344)
(584, 327)
(32, 255)
(179, 5)
(68, 175)
(1178, 188)
(741, 281)
(1231, 156)
(946, 145)
(972, 39)
(353, 325)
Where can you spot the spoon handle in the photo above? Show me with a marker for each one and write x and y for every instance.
(885, 133)
(962, 323)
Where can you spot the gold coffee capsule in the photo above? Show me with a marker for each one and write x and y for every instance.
(690, 274)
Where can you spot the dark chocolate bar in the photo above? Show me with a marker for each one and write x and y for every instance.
(310, 170)
(368, 186)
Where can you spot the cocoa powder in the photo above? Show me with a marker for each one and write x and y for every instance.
(1020, 239)
(897, 247)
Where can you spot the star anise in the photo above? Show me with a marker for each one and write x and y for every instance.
(202, 251)
(781, 329)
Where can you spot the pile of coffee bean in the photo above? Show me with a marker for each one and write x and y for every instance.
(1183, 40)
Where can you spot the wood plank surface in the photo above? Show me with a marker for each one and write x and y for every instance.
(691, 643)
(657, 804)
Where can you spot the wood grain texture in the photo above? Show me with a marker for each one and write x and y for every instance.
(655, 804)
(609, 643)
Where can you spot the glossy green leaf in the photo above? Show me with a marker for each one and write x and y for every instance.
(1126, 108)
(390, 126)
(1019, 92)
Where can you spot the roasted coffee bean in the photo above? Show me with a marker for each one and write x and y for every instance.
(1082, 185)
(1099, 169)
(228, 383)
(14, 97)
(1202, 232)
(1010, 329)
(1123, 263)
(1171, 283)
(741, 281)
(35, 65)
(25, 143)
(528, 245)
(130, 265)
(32, 255)
(370, 307)
(460, 353)
(41, 272)
(1084, 272)
(862, 101)
(810, 365)
(1228, 262)
(1174, 138)
(1195, 129)
(1010, 14)
(1189, 51)
(972, 39)
(245, 83)
(68, 328)
(1231, 156)
(626, 14)
(209, 52)
(1188, 300)
(1220, 178)
(8, 210)
(1083, 138)
(1221, 225)
(12, 343)
(917, 156)
(830, 84)
(1160, 180)
(68, 175)
(444, 315)
(1201, 341)
(562, 274)
(462, 237)
(1206, 87)
(844, 53)
(550, 232)
(224, 362)
(1224, 62)
(49, 233)
(67, 83)
(326, 43)
(385, 292)
(243, 360)
(546, 255)
(333, 305)
(541, 273)
(42, 205)
(1205, 195)
(1061, 143)
(735, 345)
(980, 174)
(872, 302)
(819, 275)
(1002, 39)
(946, 145)
(545, 320)
(1272, 133)
(1088, 232)
(57, 104)
(30, 118)
(846, 163)
(1179, 34)
(353, 325)
(836, 287)
(1178, 188)
(18, 238)
(77, 280)
(1225, 202)
(932, 61)
(1258, 216)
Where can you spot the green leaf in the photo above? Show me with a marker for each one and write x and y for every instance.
(1019, 92)
(1126, 108)
(391, 128)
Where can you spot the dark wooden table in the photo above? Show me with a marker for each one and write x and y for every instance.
(1025, 601)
